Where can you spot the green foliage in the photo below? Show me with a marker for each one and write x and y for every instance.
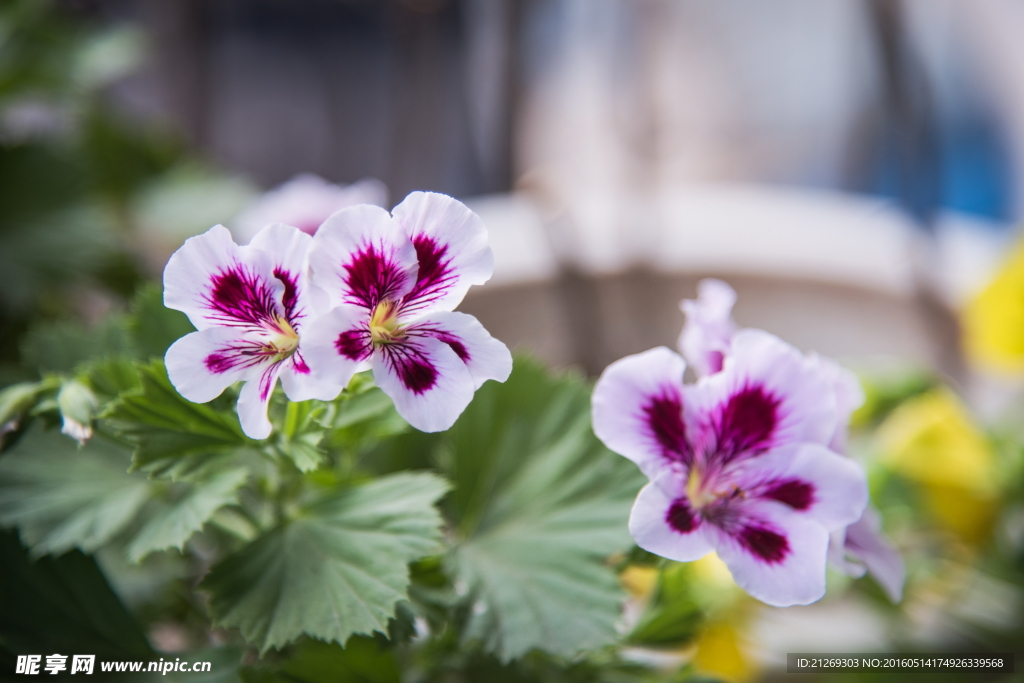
(165, 428)
(335, 568)
(673, 616)
(175, 522)
(538, 506)
(155, 327)
(62, 605)
(62, 497)
(362, 660)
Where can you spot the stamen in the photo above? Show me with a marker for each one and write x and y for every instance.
(384, 326)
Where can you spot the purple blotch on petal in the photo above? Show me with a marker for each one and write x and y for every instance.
(767, 545)
(371, 278)
(747, 421)
(291, 294)
(664, 417)
(795, 493)
(680, 517)
(299, 364)
(354, 344)
(218, 363)
(237, 296)
(412, 367)
(435, 273)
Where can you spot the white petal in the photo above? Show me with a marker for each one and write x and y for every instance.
(201, 365)
(849, 397)
(451, 246)
(428, 382)
(288, 250)
(333, 346)
(485, 357)
(637, 410)
(300, 383)
(865, 541)
(253, 401)
(767, 395)
(361, 256)
(709, 326)
(663, 524)
(810, 479)
(775, 554)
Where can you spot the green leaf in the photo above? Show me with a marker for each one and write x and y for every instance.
(174, 523)
(538, 506)
(63, 605)
(362, 660)
(335, 570)
(62, 497)
(164, 427)
(155, 327)
(110, 377)
(16, 400)
(673, 615)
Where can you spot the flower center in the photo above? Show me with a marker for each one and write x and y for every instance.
(282, 340)
(702, 492)
(384, 326)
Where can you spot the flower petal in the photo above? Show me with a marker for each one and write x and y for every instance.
(361, 256)
(485, 357)
(709, 326)
(664, 523)
(451, 247)
(426, 379)
(288, 250)
(215, 282)
(253, 401)
(767, 395)
(811, 480)
(865, 542)
(300, 383)
(201, 365)
(333, 347)
(637, 410)
(774, 553)
(849, 396)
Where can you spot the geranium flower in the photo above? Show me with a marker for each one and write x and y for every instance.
(394, 280)
(250, 305)
(705, 342)
(738, 462)
(305, 201)
(709, 326)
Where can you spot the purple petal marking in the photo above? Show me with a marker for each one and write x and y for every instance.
(412, 366)
(291, 295)
(219, 363)
(767, 545)
(354, 344)
(664, 417)
(371, 277)
(299, 364)
(747, 422)
(454, 342)
(797, 494)
(238, 297)
(680, 517)
(436, 274)
(267, 381)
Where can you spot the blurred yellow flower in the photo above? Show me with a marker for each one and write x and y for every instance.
(932, 440)
(720, 653)
(993, 322)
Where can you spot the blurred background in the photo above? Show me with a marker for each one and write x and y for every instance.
(851, 167)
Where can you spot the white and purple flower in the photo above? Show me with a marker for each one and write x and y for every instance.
(738, 462)
(707, 341)
(393, 280)
(250, 305)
